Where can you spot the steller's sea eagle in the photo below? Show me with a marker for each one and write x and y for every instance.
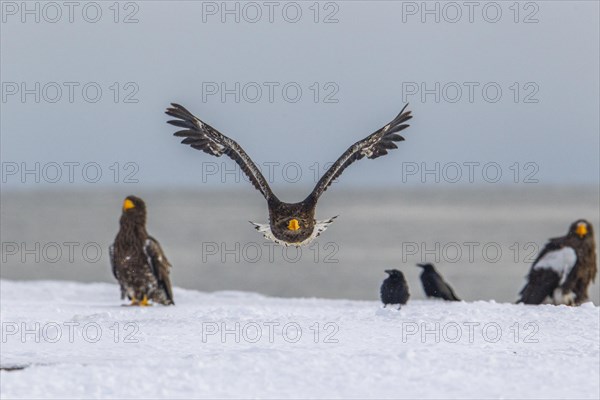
(137, 260)
(564, 269)
(289, 223)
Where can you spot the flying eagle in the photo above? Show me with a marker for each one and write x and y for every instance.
(564, 269)
(289, 223)
(137, 260)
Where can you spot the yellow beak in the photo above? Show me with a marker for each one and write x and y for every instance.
(127, 204)
(581, 230)
(293, 225)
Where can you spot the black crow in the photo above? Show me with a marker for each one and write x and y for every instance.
(434, 285)
(394, 289)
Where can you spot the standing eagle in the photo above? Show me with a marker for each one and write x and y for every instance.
(137, 259)
(289, 223)
(564, 269)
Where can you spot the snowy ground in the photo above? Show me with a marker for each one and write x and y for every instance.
(76, 341)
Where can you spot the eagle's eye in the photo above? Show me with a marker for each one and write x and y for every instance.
(581, 229)
(293, 225)
(127, 204)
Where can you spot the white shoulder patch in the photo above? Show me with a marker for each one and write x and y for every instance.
(320, 227)
(265, 229)
(561, 261)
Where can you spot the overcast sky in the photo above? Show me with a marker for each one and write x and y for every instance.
(494, 88)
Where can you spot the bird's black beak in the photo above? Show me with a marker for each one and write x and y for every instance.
(421, 265)
(388, 271)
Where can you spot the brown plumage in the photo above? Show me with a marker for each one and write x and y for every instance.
(138, 262)
(289, 223)
(564, 269)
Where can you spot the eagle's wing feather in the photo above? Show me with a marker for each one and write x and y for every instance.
(548, 271)
(541, 284)
(552, 245)
(113, 266)
(202, 136)
(561, 261)
(375, 145)
(159, 264)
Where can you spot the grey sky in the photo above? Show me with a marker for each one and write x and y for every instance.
(369, 61)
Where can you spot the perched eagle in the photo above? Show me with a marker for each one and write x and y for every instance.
(434, 285)
(564, 269)
(137, 259)
(289, 223)
(394, 289)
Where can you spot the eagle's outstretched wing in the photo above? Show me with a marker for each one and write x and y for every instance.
(202, 136)
(375, 145)
(160, 266)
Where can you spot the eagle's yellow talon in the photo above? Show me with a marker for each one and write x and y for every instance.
(134, 302)
(144, 302)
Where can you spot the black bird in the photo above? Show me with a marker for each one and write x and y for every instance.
(434, 285)
(289, 223)
(137, 260)
(394, 289)
(564, 269)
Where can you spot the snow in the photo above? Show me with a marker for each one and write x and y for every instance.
(361, 350)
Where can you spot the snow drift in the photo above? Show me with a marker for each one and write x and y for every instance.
(73, 340)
